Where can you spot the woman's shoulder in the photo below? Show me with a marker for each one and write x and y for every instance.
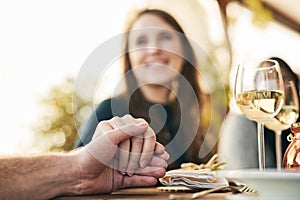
(105, 102)
(110, 102)
(113, 106)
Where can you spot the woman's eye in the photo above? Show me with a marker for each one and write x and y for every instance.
(141, 41)
(165, 36)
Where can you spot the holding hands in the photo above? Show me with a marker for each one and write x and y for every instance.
(122, 153)
(92, 169)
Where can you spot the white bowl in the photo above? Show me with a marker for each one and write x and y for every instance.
(270, 184)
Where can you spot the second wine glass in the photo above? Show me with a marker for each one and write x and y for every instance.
(285, 118)
(259, 93)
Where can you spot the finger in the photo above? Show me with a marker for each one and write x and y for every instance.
(148, 147)
(159, 148)
(107, 125)
(129, 119)
(156, 172)
(116, 122)
(135, 154)
(125, 132)
(104, 148)
(124, 153)
(136, 145)
(164, 155)
(102, 127)
(158, 162)
(119, 122)
(138, 181)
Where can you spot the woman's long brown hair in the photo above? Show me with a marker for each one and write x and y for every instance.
(138, 106)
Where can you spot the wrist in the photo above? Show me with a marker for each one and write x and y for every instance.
(89, 172)
(66, 177)
(85, 177)
(77, 186)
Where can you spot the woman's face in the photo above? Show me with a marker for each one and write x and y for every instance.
(154, 50)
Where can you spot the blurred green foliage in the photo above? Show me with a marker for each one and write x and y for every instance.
(56, 129)
(262, 16)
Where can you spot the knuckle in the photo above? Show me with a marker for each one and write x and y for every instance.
(150, 137)
(138, 141)
(102, 123)
(127, 116)
(124, 146)
(141, 119)
(115, 118)
(133, 165)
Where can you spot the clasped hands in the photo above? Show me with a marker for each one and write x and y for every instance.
(122, 153)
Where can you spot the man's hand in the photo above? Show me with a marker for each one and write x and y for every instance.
(100, 160)
(134, 152)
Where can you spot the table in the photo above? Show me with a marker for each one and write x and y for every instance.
(150, 193)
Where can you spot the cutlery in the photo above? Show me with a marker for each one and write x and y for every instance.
(235, 189)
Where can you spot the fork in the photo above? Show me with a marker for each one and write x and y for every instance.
(242, 189)
(235, 189)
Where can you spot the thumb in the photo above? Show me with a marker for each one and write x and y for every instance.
(138, 181)
(125, 132)
(104, 148)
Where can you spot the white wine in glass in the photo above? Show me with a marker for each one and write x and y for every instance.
(259, 94)
(288, 115)
(259, 105)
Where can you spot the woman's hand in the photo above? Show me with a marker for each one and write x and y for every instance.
(98, 161)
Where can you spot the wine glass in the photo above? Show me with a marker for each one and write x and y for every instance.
(285, 118)
(259, 93)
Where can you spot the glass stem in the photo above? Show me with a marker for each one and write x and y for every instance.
(261, 146)
(278, 149)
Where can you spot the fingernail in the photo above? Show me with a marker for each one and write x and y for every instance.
(123, 173)
(166, 165)
(130, 174)
(143, 163)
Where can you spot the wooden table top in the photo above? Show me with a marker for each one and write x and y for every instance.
(149, 193)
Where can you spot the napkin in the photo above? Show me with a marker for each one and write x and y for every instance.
(195, 179)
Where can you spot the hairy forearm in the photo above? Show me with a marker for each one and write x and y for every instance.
(37, 177)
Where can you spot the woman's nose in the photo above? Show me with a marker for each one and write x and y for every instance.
(153, 46)
(153, 50)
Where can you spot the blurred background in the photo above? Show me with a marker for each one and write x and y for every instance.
(43, 45)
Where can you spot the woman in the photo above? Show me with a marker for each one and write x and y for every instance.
(162, 86)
